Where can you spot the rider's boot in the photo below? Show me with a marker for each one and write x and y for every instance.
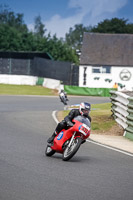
(51, 139)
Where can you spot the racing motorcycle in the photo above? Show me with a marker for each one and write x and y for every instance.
(68, 141)
(63, 97)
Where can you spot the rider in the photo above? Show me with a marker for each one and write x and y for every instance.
(83, 110)
(63, 93)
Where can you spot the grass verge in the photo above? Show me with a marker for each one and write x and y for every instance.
(6, 89)
(102, 119)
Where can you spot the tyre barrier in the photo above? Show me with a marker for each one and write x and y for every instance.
(122, 109)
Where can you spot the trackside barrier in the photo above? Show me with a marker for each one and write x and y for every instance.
(29, 80)
(18, 79)
(85, 91)
(122, 109)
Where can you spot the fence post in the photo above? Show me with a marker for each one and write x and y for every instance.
(10, 65)
(28, 70)
(71, 73)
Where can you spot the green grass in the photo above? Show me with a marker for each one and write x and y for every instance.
(102, 119)
(6, 89)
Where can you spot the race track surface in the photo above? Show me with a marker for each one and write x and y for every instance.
(94, 173)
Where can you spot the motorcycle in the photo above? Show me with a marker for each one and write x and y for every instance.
(67, 142)
(63, 98)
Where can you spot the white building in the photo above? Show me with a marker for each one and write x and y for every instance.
(106, 59)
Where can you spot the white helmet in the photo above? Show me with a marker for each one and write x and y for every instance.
(84, 108)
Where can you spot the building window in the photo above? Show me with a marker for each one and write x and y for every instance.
(101, 69)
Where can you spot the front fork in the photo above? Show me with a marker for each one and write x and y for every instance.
(72, 139)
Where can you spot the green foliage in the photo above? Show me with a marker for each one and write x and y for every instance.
(39, 27)
(11, 19)
(9, 38)
(75, 36)
(114, 25)
(61, 51)
(14, 36)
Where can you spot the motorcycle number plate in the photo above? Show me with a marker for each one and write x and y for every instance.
(84, 129)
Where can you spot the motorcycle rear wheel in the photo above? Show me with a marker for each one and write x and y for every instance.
(49, 151)
(69, 152)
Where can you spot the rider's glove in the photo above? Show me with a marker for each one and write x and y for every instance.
(69, 123)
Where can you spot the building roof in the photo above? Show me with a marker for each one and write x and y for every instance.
(107, 49)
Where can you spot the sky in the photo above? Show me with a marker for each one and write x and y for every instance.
(59, 15)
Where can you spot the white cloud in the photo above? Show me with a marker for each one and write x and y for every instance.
(60, 26)
(97, 7)
(94, 10)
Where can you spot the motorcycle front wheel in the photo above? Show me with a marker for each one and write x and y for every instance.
(69, 152)
(49, 151)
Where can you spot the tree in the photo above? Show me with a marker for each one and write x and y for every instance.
(39, 27)
(114, 25)
(13, 20)
(10, 38)
(75, 36)
(14, 36)
(61, 50)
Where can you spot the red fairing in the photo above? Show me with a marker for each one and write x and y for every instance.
(82, 131)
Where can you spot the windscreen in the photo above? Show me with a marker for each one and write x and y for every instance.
(83, 119)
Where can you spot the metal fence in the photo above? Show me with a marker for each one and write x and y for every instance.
(35, 65)
(59, 70)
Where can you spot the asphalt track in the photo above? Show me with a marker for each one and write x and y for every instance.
(94, 173)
